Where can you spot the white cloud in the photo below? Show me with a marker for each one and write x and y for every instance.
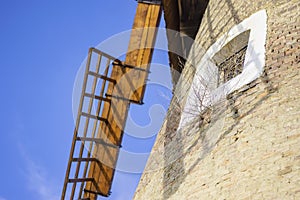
(38, 180)
(40, 183)
(1, 198)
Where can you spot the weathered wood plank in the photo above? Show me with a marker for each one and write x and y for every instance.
(130, 85)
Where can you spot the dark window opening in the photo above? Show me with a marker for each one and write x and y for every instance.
(230, 59)
(232, 66)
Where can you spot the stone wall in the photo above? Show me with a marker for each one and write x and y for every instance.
(247, 146)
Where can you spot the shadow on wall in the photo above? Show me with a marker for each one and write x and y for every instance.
(173, 166)
(232, 16)
(175, 149)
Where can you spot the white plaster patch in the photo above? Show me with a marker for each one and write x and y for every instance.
(204, 87)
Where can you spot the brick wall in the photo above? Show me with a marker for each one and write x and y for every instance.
(249, 146)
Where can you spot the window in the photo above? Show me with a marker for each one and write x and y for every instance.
(234, 60)
(230, 59)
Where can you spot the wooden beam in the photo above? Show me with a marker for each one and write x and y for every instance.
(130, 84)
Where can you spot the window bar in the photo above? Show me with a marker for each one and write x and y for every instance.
(95, 125)
(87, 121)
(76, 126)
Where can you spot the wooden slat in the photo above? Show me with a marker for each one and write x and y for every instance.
(97, 140)
(141, 46)
(97, 97)
(102, 77)
(75, 180)
(84, 160)
(128, 80)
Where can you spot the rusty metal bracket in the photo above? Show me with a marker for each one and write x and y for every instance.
(117, 62)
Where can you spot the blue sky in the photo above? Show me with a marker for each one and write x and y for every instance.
(42, 46)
